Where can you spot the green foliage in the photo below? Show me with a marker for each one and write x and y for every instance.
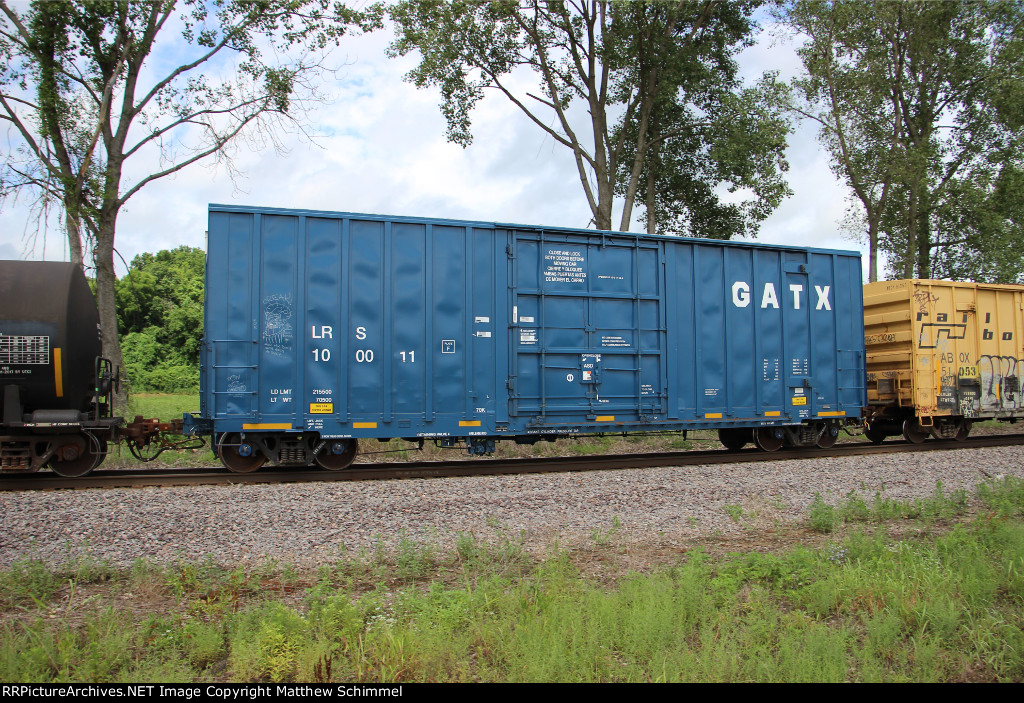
(25, 580)
(822, 516)
(604, 537)
(1004, 498)
(854, 510)
(919, 104)
(695, 127)
(265, 643)
(160, 319)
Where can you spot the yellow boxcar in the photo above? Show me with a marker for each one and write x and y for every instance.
(940, 355)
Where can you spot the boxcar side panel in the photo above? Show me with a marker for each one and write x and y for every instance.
(369, 326)
(352, 326)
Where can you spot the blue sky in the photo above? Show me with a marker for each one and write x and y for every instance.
(380, 147)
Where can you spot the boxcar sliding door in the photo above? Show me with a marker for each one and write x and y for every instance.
(588, 329)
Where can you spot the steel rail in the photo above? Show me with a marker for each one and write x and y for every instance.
(112, 478)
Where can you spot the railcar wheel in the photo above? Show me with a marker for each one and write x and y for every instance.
(734, 438)
(769, 439)
(827, 438)
(963, 430)
(237, 455)
(78, 457)
(338, 454)
(874, 434)
(913, 432)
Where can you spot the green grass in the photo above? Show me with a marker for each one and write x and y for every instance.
(945, 605)
(164, 406)
(855, 509)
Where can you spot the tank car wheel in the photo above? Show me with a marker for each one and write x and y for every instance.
(827, 438)
(963, 430)
(73, 461)
(913, 432)
(734, 438)
(874, 434)
(769, 439)
(338, 454)
(238, 456)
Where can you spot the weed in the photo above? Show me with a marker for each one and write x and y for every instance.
(680, 443)
(837, 554)
(1003, 497)
(603, 537)
(414, 561)
(822, 515)
(495, 524)
(27, 580)
(266, 642)
(203, 643)
(854, 509)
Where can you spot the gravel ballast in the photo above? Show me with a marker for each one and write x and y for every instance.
(315, 523)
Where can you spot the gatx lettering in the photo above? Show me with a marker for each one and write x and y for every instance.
(770, 297)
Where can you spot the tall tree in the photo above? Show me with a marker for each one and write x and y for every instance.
(695, 128)
(920, 106)
(90, 90)
(56, 159)
(847, 93)
(618, 61)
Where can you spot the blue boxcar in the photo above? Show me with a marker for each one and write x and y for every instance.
(325, 327)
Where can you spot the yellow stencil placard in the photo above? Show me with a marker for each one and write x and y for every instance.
(58, 373)
(800, 400)
(321, 408)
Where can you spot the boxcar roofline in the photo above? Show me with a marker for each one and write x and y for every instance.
(411, 219)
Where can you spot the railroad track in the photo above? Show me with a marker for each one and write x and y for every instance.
(112, 478)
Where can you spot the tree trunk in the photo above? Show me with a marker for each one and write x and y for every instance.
(605, 197)
(641, 153)
(652, 213)
(73, 225)
(924, 241)
(872, 249)
(909, 253)
(106, 301)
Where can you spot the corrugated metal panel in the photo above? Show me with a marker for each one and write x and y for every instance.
(945, 349)
(368, 326)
